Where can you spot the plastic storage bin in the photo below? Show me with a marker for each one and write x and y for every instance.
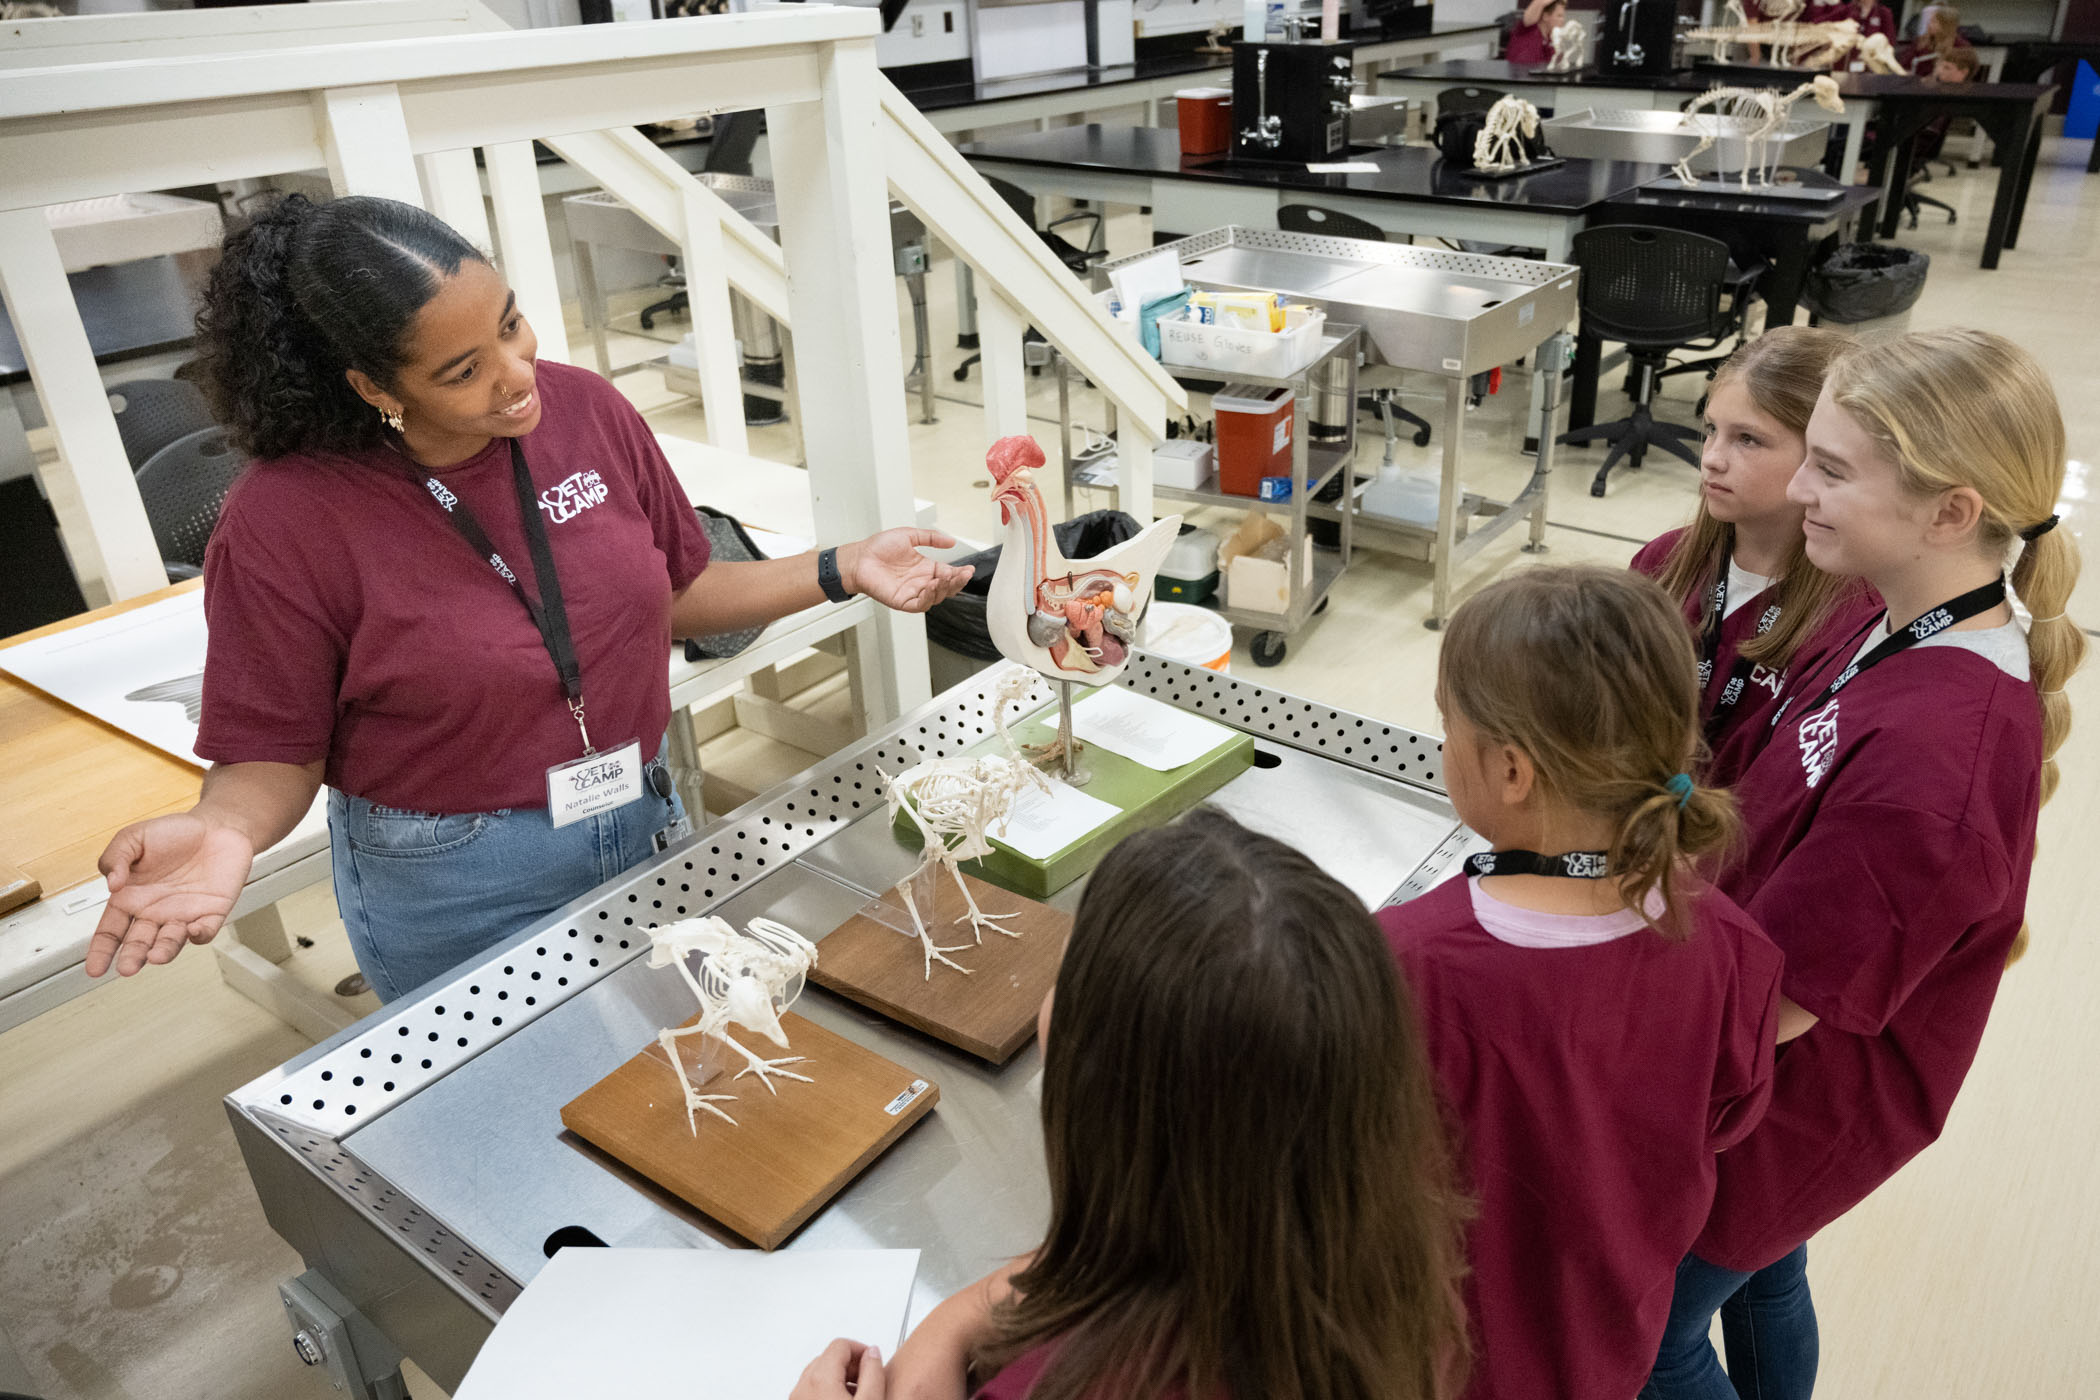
(1254, 435)
(1224, 350)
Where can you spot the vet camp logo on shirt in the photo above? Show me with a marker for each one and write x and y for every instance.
(574, 496)
(1819, 742)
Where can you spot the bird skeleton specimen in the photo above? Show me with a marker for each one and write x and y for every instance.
(955, 802)
(1071, 619)
(1755, 116)
(744, 979)
(1571, 46)
(1504, 142)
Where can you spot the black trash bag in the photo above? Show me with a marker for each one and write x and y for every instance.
(1865, 282)
(958, 623)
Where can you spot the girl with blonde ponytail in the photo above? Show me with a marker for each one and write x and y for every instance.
(1890, 820)
(1740, 570)
(1601, 1021)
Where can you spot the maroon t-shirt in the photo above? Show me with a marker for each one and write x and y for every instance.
(1879, 20)
(1590, 1088)
(1019, 1376)
(1736, 732)
(1528, 44)
(350, 622)
(1888, 837)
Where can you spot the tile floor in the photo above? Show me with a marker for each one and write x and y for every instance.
(135, 1262)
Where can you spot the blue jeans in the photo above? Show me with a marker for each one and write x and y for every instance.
(422, 892)
(1768, 1324)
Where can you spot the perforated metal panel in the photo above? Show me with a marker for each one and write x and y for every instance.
(425, 1035)
(1523, 271)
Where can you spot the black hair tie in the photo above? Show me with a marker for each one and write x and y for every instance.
(2035, 532)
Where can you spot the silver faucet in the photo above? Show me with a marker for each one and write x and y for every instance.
(1268, 128)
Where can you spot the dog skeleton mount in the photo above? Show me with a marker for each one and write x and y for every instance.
(1571, 47)
(1758, 115)
(1505, 142)
(745, 979)
(955, 802)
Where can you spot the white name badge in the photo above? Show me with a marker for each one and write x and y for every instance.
(595, 783)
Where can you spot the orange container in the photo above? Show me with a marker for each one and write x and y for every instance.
(1254, 435)
(1206, 120)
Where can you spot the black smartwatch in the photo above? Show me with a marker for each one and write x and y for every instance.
(828, 576)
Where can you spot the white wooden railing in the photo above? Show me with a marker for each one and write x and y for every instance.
(403, 117)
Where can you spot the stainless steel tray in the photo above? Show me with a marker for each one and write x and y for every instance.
(1662, 138)
(417, 1159)
(1421, 308)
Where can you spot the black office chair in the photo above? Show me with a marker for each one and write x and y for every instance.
(182, 487)
(1467, 99)
(1333, 223)
(1655, 290)
(1077, 260)
(728, 153)
(1927, 147)
(151, 413)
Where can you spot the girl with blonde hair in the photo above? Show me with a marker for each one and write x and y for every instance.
(1891, 819)
(1600, 1020)
(1740, 569)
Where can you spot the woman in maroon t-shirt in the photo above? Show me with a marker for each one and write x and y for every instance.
(1890, 822)
(1250, 1193)
(1601, 1021)
(1780, 610)
(1528, 42)
(417, 471)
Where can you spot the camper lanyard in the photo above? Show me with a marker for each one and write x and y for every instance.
(548, 614)
(1935, 621)
(1574, 865)
(1710, 639)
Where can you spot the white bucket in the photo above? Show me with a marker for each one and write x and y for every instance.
(1185, 632)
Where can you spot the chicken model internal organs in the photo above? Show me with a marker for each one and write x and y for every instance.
(1072, 620)
(744, 979)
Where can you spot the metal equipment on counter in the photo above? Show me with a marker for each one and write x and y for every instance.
(1290, 102)
(417, 1163)
(1664, 138)
(1453, 315)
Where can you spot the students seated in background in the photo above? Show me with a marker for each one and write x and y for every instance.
(1528, 42)
(1872, 17)
(1955, 66)
(1601, 1021)
(1250, 1193)
(1939, 34)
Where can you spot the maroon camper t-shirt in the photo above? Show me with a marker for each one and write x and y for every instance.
(350, 622)
(1888, 836)
(1734, 733)
(1589, 1088)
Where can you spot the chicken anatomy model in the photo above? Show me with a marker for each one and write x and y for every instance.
(1072, 620)
(745, 979)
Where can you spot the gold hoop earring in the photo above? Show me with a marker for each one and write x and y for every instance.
(391, 419)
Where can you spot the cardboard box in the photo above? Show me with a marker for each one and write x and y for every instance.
(1262, 585)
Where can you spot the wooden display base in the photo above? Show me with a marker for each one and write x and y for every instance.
(876, 959)
(785, 1156)
(1146, 797)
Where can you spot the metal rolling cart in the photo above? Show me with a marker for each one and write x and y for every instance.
(417, 1161)
(1453, 315)
(1313, 572)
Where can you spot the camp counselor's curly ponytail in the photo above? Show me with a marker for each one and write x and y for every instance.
(303, 292)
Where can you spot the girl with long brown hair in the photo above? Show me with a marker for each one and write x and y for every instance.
(1600, 1020)
(1250, 1191)
(1756, 605)
(1891, 819)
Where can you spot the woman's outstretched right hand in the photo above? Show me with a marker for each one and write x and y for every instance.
(172, 880)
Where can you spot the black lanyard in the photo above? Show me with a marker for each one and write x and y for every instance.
(1710, 640)
(1573, 865)
(548, 613)
(1935, 621)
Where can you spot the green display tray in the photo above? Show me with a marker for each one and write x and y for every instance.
(1147, 798)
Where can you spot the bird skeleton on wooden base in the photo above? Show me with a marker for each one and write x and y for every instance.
(1758, 114)
(1504, 142)
(955, 802)
(745, 979)
(1571, 46)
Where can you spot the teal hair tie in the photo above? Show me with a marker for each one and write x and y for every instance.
(1681, 784)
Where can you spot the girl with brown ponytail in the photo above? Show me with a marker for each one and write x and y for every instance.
(1756, 605)
(1890, 821)
(1600, 1020)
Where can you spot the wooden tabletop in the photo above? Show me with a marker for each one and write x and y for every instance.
(69, 782)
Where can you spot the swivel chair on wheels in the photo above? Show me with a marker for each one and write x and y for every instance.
(1655, 290)
(1079, 261)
